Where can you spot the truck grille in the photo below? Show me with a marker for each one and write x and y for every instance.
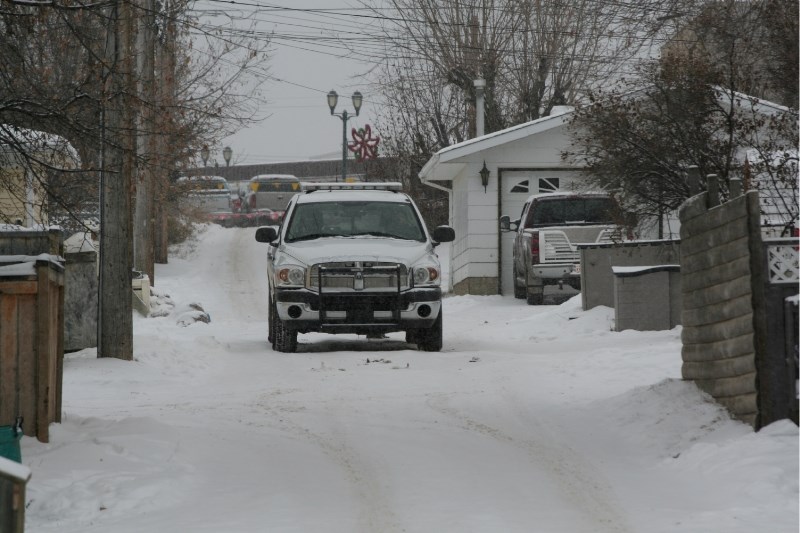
(357, 276)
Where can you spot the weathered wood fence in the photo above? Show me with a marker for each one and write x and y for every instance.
(31, 342)
(726, 332)
(13, 479)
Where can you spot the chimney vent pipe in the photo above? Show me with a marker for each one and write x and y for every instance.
(480, 85)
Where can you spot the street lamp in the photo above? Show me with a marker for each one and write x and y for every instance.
(204, 152)
(227, 152)
(357, 99)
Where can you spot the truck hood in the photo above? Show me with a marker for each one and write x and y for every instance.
(378, 249)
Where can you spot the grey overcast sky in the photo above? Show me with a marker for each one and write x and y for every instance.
(303, 66)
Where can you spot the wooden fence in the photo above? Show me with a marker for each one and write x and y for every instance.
(31, 342)
(13, 479)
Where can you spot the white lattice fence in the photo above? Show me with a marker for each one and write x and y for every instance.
(782, 260)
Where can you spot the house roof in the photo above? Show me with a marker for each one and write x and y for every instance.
(444, 164)
(15, 140)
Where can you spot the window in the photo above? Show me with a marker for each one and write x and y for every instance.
(522, 187)
(277, 185)
(349, 219)
(549, 184)
(570, 211)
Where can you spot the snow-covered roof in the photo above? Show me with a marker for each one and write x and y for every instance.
(491, 140)
(14, 139)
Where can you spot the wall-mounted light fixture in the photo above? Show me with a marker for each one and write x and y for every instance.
(484, 176)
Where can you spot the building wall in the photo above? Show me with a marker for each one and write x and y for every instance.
(13, 197)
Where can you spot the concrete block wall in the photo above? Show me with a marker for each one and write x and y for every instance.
(723, 316)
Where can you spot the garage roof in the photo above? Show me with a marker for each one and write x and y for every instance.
(446, 163)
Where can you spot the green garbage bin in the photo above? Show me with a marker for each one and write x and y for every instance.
(9, 441)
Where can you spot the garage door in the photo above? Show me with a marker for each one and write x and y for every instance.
(517, 186)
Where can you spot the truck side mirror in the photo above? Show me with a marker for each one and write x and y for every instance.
(505, 223)
(444, 234)
(266, 234)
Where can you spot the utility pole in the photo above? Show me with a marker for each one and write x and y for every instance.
(115, 319)
(144, 212)
(165, 128)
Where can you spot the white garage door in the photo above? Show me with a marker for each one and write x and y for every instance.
(517, 186)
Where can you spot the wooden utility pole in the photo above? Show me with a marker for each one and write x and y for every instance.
(115, 311)
(165, 131)
(144, 214)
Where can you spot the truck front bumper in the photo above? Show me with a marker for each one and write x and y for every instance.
(358, 312)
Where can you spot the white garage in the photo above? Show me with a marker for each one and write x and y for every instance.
(518, 161)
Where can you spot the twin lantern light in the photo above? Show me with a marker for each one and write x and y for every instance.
(333, 99)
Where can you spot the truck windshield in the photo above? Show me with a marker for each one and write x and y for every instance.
(570, 211)
(354, 219)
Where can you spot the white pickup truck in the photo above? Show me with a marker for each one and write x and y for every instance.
(551, 224)
(354, 258)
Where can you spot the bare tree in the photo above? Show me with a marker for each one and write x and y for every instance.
(533, 54)
(71, 70)
(639, 138)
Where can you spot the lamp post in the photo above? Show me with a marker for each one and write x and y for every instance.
(204, 153)
(333, 98)
(227, 152)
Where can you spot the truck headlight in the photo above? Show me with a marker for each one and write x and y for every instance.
(426, 275)
(290, 276)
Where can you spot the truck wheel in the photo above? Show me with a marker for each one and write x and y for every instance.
(285, 338)
(430, 340)
(273, 314)
(519, 290)
(535, 295)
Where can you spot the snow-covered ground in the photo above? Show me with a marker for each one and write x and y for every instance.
(532, 419)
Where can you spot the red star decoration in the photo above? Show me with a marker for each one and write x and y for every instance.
(364, 145)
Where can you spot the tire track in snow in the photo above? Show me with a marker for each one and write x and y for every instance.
(578, 480)
(244, 275)
(375, 513)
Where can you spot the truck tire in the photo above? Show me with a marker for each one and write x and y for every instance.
(273, 314)
(519, 290)
(285, 338)
(535, 295)
(430, 340)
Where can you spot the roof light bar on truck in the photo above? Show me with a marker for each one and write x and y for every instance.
(359, 186)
